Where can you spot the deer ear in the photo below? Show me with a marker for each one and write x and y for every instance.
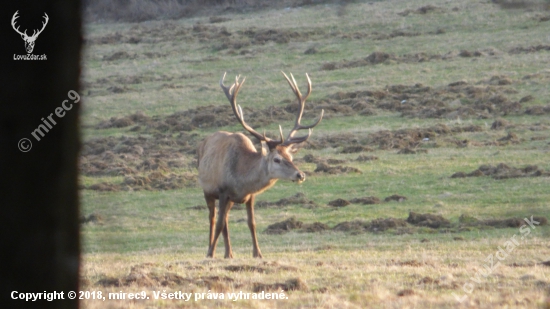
(265, 148)
(294, 148)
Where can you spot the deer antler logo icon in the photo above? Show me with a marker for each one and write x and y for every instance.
(29, 40)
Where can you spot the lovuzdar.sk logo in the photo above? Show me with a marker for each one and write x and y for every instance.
(29, 40)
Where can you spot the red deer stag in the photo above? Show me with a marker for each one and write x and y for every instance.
(231, 170)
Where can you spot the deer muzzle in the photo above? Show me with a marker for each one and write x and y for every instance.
(300, 177)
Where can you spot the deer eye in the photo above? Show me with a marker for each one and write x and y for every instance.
(277, 160)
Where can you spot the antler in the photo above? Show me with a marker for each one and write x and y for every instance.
(43, 26)
(13, 24)
(231, 94)
(302, 102)
(34, 33)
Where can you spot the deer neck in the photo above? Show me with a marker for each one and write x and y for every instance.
(263, 180)
(257, 179)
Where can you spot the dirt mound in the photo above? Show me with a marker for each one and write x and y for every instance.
(247, 268)
(215, 36)
(381, 57)
(503, 171)
(152, 182)
(511, 138)
(414, 224)
(309, 158)
(314, 227)
(412, 151)
(120, 55)
(336, 161)
(388, 36)
(104, 186)
(145, 163)
(377, 225)
(456, 100)
(466, 220)
(406, 292)
(538, 110)
(295, 284)
(377, 57)
(149, 275)
(355, 149)
(293, 224)
(355, 227)
(218, 19)
(339, 203)
(409, 263)
(500, 124)
(92, 218)
(201, 117)
(510, 222)
(380, 225)
(265, 267)
(209, 116)
(297, 199)
(369, 200)
(254, 36)
(429, 220)
(284, 226)
(263, 36)
(483, 99)
(137, 158)
(325, 168)
(160, 181)
(412, 138)
(428, 280)
(529, 49)
(422, 10)
(158, 32)
(116, 122)
(395, 197)
(364, 158)
(119, 83)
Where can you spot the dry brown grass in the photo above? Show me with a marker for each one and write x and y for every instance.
(407, 273)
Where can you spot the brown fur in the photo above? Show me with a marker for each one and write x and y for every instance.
(231, 170)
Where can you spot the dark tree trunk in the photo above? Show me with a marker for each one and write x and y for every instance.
(39, 231)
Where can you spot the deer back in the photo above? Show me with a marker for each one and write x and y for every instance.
(229, 161)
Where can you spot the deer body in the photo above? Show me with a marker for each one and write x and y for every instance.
(229, 162)
(231, 170)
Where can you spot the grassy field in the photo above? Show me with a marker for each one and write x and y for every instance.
(419, 96)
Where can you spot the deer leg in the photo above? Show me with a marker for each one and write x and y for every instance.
(252, 226)
(211, 203)
(220, 224)
(225, 231)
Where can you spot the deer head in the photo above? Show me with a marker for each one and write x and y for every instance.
(29, 40)
(277, 152)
